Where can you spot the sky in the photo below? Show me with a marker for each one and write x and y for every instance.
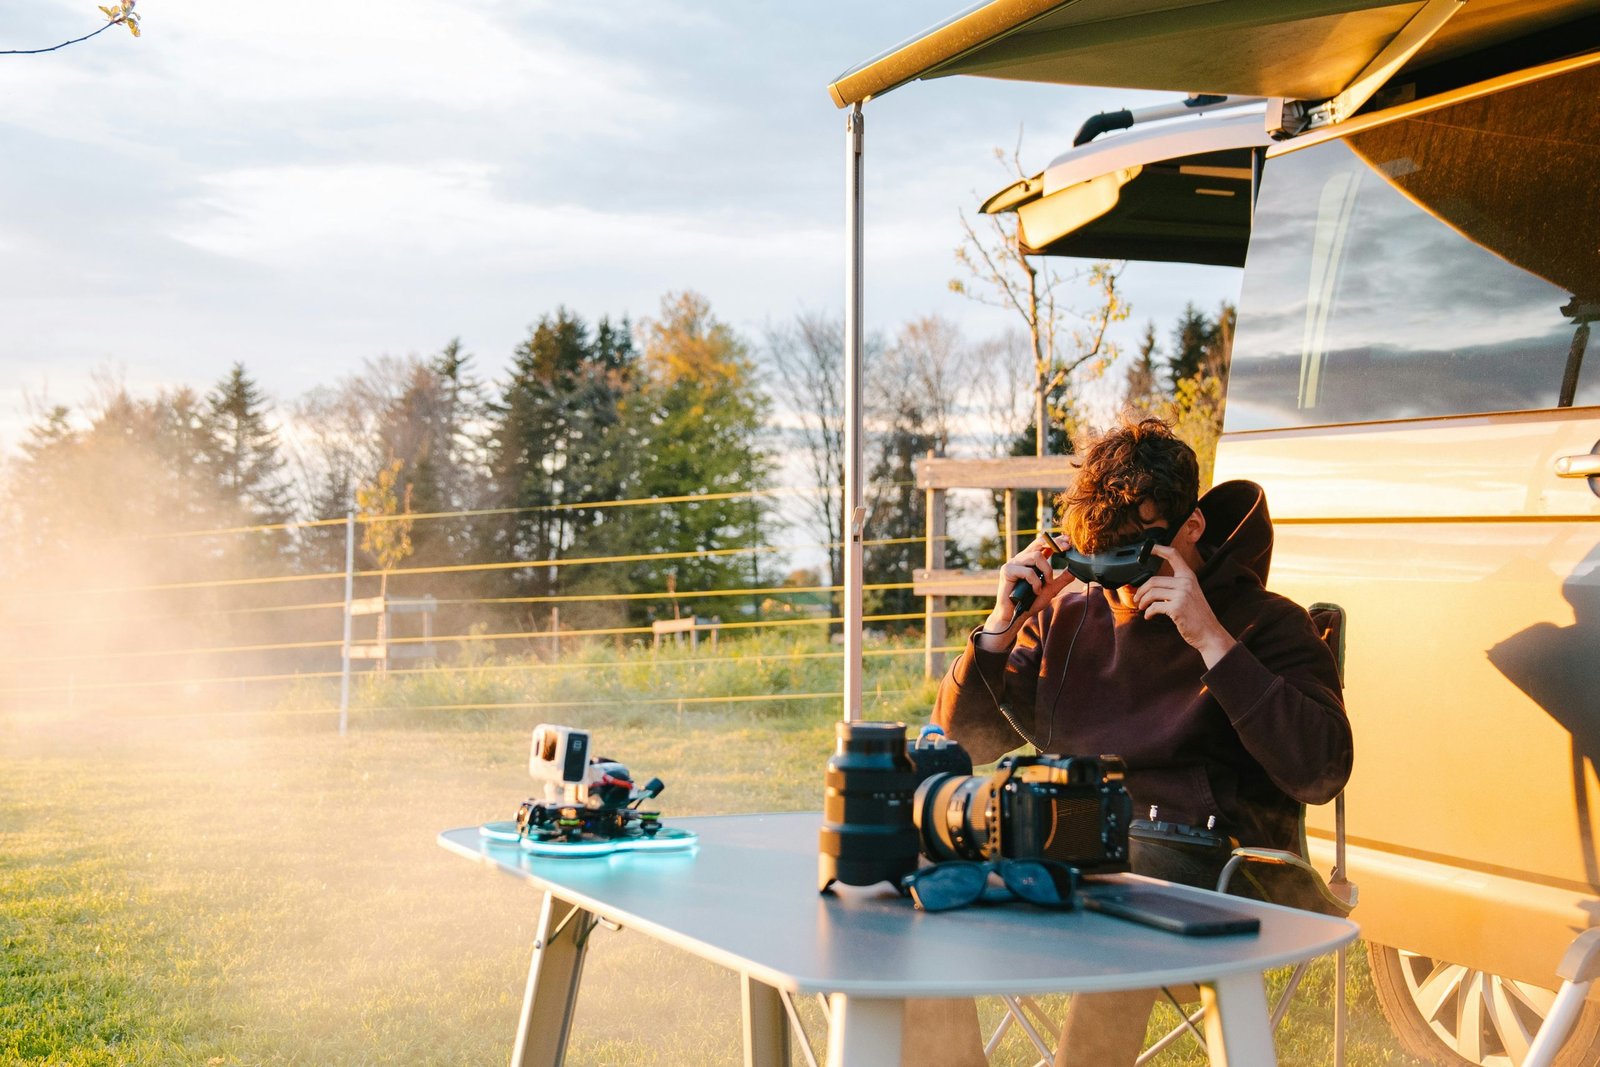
(304, 185)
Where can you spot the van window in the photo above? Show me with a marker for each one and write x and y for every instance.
(1443, 264)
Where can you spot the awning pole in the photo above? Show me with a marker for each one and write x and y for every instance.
(855, 512)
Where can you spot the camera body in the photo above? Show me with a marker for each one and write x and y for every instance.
(1073, 809)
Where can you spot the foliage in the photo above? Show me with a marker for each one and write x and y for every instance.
(693, 424)
(1197, 370)
(241, 453)
(122, 15)
(388, 539)
(554, 439)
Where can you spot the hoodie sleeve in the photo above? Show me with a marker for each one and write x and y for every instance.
(1280, 688)
(978, 682)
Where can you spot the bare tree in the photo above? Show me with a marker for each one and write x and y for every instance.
(1062, 339)
(807, 356)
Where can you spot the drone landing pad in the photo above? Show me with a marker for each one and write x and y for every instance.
(667, 839)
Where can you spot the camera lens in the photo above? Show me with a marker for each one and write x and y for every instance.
(867, 832)
(956, 817)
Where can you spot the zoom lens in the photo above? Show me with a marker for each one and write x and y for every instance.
(867, 831)
(957, 816)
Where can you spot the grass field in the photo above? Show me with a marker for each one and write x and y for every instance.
(257, 890)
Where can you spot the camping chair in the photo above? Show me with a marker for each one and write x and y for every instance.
(1578, 971)
(1335, 896)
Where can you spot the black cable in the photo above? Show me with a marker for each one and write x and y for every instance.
(1066, 661)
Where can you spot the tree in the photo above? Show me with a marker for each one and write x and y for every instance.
(1142, 385)
(242, 452)
(998, 261)
(386, 534)
(427, 424)
(917, 388)
(807, 356)
(1197, 371)
(552, 438)
(692, 424)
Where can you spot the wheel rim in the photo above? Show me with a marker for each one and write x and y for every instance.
(1483, 1018)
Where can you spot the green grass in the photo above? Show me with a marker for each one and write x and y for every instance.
(241, 891)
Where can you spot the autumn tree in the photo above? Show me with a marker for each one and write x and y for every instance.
(692, 425)
(384, 506)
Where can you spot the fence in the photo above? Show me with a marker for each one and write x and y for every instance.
(77, 643)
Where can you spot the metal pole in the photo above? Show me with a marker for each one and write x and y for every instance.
(349, 595)
(855, 511)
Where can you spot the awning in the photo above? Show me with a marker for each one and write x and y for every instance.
(1177, 193)
(1296, 49)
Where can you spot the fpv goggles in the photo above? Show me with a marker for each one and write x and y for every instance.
(1131, 564)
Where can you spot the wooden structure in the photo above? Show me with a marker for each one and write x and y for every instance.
(937, 475)
(387, 648)
(690, 625)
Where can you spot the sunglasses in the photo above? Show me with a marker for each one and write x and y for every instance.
(1131, 564)
(957, 883)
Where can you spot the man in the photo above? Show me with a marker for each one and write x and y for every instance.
(1220, 697)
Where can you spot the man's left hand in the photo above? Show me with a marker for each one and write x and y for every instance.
(1179, 598)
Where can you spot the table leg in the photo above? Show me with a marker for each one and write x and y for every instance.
(1238, 1030)
(864, 1031)
(552, 988)
(766, 1025)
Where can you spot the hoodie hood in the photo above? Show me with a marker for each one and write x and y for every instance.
(1238, 530)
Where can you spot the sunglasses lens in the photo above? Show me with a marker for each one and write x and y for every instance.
(947, 885)
(1042, 882)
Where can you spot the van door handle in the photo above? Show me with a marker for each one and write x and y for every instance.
(1584, 466)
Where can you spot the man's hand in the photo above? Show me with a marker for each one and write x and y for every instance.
(1030, 567)
(1179, 598)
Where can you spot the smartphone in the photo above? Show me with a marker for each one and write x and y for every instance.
(1165, 910)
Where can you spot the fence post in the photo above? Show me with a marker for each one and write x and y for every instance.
(1011, 525)
(933, 612)
(349, 594)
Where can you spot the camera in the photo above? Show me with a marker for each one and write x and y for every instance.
(583, 796)
(1073, 809)
(868, 835)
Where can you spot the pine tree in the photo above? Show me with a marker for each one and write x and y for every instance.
(242, 452)
(1193, 338)
(550, 440)
(1142, 387)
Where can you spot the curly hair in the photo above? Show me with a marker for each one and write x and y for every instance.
(1139, 460)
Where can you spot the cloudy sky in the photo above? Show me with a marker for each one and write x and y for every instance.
(304, 184)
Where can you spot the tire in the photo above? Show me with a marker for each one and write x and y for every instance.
(1425, 1001)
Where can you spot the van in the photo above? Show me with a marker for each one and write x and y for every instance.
(1412, 382)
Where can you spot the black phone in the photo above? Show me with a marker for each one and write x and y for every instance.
(1177, 913)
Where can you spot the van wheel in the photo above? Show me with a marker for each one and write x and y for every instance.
(1452, 1014)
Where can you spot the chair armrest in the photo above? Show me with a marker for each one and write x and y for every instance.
(1341, 894)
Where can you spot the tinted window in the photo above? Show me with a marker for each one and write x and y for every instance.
(1444, 264)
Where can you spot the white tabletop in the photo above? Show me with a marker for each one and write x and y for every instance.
(747, 898)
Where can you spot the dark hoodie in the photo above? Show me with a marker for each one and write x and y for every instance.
(1247, 741)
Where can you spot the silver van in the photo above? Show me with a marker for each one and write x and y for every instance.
(1411, 380)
